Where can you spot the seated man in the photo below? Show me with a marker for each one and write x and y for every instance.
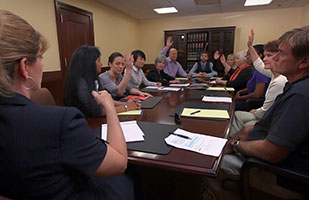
(137, 74)
(203, 67)
(172, 67)
(282, 135)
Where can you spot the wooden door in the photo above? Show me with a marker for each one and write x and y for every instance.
(75, 28)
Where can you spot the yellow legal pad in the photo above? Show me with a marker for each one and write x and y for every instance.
(207, 113)
(183, 79)
(229, 89)
(131, 112)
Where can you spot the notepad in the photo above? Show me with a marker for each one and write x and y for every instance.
(180, 84)
(132, 112)
(131, 131)
(183, 79)
(229, 89)
(217, 99)
(205, 113)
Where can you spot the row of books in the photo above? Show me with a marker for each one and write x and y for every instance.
(198, 46)
(196, 37)
(193, 56)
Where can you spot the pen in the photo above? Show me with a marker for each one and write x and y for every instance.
(96, 86)
(182, 136)
(195, 112)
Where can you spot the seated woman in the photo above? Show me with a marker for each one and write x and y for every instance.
(50, 152)
(82, 79)
(241, 75)
(244, 119)
(228, 63)
(137, 75)
(114, 82)
(204, 67)
(157, 73)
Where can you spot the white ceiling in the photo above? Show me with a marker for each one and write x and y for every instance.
(143, 9)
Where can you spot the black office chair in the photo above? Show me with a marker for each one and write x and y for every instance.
(249, 192)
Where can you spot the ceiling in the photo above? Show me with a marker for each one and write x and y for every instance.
(143, 9)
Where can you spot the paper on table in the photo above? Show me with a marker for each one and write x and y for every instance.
(217, 99)
(130, 129)
(207, 113)
(229, 89)
(184, 79)
(131, 112)
(180, 84)
(204, 144)
(152, 87)
(163, 88)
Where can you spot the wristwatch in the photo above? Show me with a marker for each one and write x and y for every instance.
(125, 107)
(235, 146)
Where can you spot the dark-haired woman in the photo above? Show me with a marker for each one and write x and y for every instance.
(114, 82)
(82, 79)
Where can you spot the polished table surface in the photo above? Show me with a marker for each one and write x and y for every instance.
(177, 159)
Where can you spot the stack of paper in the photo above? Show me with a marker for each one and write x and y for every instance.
(217, 99)
(180, 84)
(204, 144)
(163, 88)
(206, 113)
(228, 89)
(132, 112)
(181, 79)
(130, 129)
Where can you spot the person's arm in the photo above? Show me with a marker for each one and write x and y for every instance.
(139, 93)
(251, 49)
(87, 100)
(129, 105)
(193, 69)
(128, 60)
(180, 70)
(263, 149)
(227, 67)
(241, 79)
(258, 92)
(260, 67)
(115, 161)
(213, 72)
(169, 43)
(146, 82)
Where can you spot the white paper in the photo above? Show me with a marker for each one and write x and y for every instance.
(217, 99)
(130, 129)
(163, 88)
(180, 84)
(204, 144)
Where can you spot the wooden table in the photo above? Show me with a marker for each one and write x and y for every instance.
(177, 159)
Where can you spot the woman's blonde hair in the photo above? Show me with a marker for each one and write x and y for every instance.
(18, 39)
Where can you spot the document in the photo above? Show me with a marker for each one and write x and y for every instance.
(182, 79)
(228, 89)
(163, 88)
(206, 113)
(204, 144)
(130, 129)
(217, 99)
(132, 112)
(180, 84)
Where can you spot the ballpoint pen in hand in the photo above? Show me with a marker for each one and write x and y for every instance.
(96, 85)
(182, 136)
(195, 112)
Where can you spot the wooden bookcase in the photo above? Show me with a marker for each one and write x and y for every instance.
(190, 42)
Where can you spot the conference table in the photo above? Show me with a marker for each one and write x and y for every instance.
(177, 159)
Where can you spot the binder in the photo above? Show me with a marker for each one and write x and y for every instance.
(151, 102)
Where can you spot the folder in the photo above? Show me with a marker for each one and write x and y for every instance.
(151, 102)
(205, 113)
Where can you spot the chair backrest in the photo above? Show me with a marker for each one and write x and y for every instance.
(43, 97)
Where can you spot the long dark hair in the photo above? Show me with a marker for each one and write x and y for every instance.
(82, 65)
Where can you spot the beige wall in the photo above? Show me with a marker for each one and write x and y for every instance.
(41, 15)
(115, 31)
(268, 25)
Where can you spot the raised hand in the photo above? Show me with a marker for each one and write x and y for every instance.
(222, 59)
(216, 55)
(128, 61)
(169, 41)
(250, 39)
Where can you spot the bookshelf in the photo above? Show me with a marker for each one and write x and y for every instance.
(190, 42)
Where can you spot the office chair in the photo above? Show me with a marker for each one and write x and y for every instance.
(43, 97)
(249, 192)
